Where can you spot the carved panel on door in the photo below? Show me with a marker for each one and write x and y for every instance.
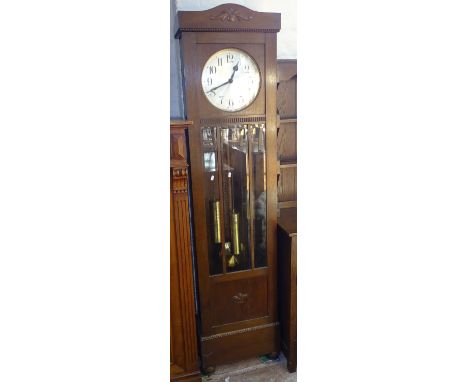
(240, 300)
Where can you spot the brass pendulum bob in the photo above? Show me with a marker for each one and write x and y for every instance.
(232, 257)
(232, 260)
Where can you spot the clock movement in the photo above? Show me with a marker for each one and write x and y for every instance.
(229, 75)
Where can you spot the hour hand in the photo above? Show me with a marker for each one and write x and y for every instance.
(234, 70)
(217, 87)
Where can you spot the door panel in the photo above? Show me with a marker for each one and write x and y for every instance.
(239, 300)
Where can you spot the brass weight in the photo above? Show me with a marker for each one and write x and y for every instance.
(235, 233)
(216, 221)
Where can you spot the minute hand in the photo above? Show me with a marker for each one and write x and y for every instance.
(217, 87)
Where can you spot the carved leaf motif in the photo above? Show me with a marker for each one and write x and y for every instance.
(240, 298)
(179, 180)
(231, 15)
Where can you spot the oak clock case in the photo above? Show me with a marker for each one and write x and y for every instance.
(230, 51)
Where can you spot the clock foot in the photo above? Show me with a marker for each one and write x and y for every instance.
(208, 370)
(273, 355)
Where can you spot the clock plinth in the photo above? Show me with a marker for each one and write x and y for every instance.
(229, 67)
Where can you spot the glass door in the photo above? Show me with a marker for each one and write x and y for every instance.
(235, 196)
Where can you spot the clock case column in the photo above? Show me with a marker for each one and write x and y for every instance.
(238, 310)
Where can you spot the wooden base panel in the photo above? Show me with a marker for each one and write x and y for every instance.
(189, 377)
(239, 346)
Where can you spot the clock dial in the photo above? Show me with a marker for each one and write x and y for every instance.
(230, 79)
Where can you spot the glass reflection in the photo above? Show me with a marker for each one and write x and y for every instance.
(212, 200)
(259, 194)
(235, 163)
(234, 159)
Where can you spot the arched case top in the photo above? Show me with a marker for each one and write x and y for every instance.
(228, 18)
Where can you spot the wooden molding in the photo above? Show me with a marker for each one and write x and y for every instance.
(179, 180)
(246, 330)
(179, 165)
(180, 123)
(228, 18)
(287, 204)
(231, 120)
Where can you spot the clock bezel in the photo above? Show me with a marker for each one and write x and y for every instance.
(258, 71)
(204, 50)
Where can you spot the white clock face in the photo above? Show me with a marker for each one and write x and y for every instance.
(230, 79)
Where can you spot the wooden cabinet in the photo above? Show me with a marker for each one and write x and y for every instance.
(287, 196)
(287, 284)
(231, 51)
(287, 133)
(183, 346)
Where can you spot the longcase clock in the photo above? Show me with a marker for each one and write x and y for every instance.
(229, 70)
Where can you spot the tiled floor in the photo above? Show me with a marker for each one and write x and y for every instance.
(253, 370)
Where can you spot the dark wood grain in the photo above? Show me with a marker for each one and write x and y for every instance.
(272, 201)
(287, 284)
(288, 221)
(188, 49)
(287, 186)
(231, 38)
(184, 347)
(287, 142)
(239, 300)
(287, 98)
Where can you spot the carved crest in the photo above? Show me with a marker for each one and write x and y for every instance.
(231, 15)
